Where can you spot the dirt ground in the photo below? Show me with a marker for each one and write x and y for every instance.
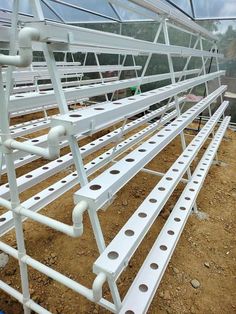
(206, 250)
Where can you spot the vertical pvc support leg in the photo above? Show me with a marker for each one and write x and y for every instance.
(14, 196)
(61, 100)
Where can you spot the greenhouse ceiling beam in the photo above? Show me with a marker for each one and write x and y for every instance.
(77, 7)
(51, 32)
(164, 9)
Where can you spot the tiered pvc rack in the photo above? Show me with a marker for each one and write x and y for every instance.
(154, 131)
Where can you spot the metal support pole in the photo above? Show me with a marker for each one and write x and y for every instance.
(10, 69)
(149, 57)
(14, 195)
(100, 73)
(173, 81)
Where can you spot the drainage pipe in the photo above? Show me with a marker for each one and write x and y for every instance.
(76, 230)
(25, 57)
(53, 150)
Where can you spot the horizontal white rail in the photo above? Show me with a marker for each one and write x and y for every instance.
(42, 173)
(149, 276)
(21, 158)
(51, 193)
(21, 77)
(101, 116)
(100, 190)
(139, 223)
(57, 33)
(35, 99)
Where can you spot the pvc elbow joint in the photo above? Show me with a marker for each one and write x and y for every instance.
(24, 59)
(53, 141)
(77, 218)
(97, 286)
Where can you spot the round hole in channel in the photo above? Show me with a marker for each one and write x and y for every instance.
(160, 135)
(75, 115)
(129, 233)
(45, 168)
(29, 176)
(182, 208)
(161, 188)
(63, 181)
(95, 187)
(199, 175)
(187, 198)
(175, 170)
(51, 189)
(36, 198)
(117, 103)
(192, 190)
(180, 162)
(114, 171)
(152, 142)
(169, 179)
(185, 156)
(154, 266)
(142, 215)
(113, 255)
(98, 108)
(143, 287)
(177, 219)
(152, 200)
(59, 160)
(163, 247)
(170, 232)
(129, 312)
(75, 174)
(129, 159)
(34, 141)
(142, 150)
(195, 182)
(2, 219)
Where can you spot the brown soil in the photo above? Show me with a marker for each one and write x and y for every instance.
(206, 250)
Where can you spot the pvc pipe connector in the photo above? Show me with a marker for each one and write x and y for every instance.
(97, 286)
(25, 57)
(51, 153)
(77, 218)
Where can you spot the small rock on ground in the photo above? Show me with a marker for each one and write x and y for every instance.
(3, 260)
(195, 283)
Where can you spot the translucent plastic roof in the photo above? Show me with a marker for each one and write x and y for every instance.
(207, 9)
(81, 11)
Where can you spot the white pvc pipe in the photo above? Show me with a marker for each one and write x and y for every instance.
(19, 297)
(97, 286)
(76, 230)
(4, 203)
(53, 150)
(86, 292)
(25, 57)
